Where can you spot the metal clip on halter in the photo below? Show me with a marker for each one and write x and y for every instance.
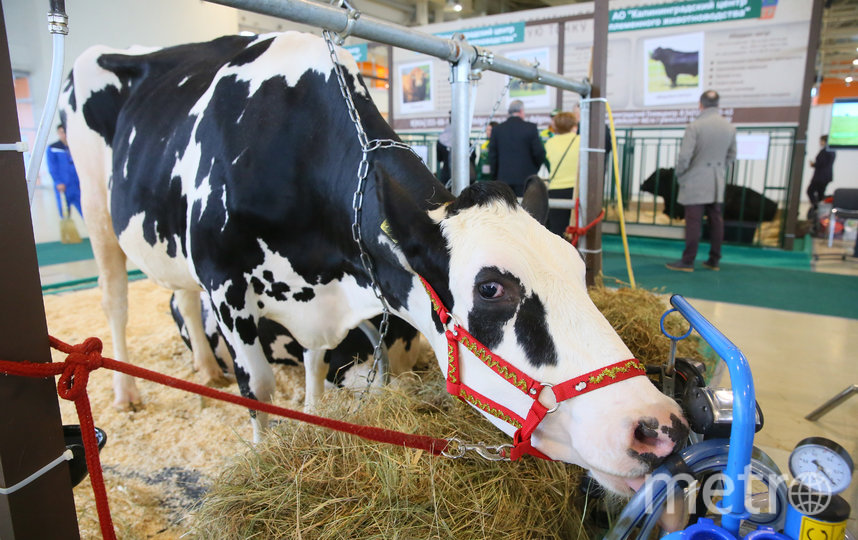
(457, 448)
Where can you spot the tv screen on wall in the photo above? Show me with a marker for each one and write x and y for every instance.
(844, 123)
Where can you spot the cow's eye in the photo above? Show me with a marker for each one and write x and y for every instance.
(490, 290)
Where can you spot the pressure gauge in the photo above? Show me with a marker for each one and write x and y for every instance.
(821, 464)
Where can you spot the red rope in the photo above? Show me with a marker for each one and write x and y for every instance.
(86, 357)
(573, 232)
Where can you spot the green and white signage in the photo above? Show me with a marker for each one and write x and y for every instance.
(682, 13)
(484, 36)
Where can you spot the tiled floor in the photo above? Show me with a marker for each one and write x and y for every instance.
(799, 360)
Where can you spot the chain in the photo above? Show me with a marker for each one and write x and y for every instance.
(492, 115)
(367, 146)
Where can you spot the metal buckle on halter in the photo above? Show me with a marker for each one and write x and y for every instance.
(556, 401)
(489, 452)
(452, 322)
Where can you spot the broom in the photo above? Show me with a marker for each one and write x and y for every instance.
(68, 231)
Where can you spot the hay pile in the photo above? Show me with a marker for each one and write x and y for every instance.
(308, 482)
(161, 461)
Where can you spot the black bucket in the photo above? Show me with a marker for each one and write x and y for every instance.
(74, 442)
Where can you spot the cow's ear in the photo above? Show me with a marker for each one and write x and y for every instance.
(414, 232)
(535, 199)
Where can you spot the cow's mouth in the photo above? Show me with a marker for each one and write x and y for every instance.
(621, 485)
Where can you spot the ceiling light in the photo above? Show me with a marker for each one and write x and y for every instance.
(855, 62)
(457, 7)
(848, 79)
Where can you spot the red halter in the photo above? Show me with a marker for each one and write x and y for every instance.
(582, 384)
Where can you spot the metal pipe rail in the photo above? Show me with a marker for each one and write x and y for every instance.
(340, 21)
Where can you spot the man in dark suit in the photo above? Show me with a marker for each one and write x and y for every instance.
(515, 149)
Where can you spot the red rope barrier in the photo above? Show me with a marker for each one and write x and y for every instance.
(86, 357)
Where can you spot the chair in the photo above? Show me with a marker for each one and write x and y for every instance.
(845, 204)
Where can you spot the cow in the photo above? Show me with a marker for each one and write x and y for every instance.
(740, 203)
(230, 167)
(414, 86)
(677, 63)
(348, 364)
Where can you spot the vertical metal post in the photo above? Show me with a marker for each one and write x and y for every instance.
(583, 166)
(30, 425)
(800, 147)
(596, 179)
(461, 119)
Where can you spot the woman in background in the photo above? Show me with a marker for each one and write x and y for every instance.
(562, 155)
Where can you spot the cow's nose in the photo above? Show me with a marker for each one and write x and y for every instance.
(652, 441)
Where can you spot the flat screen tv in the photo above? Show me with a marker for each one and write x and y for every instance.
(844, 123)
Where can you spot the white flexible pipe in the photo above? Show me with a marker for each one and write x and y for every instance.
(47, 114)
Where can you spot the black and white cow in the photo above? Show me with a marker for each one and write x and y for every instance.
(348, 363)
(230, 167)
(740, 203)
(677, 63)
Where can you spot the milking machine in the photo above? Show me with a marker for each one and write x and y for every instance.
(729, 488)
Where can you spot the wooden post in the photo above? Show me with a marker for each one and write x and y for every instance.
(30, 425)
(800, 146)
(596, 165)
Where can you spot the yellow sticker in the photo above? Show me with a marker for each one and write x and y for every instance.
(385, 228)
(812, 529)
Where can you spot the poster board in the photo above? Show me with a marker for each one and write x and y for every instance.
(745, 49)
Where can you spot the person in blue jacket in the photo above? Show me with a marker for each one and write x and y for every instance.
(62, 170)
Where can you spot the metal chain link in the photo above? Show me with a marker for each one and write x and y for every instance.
(367, 146)
(480, 139)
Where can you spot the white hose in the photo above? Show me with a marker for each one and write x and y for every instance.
(47, 114)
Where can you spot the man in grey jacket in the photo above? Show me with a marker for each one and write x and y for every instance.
(708, 149)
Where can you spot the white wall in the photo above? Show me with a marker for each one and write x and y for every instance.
(846, 162)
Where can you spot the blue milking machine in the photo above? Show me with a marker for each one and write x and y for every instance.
(737, 484)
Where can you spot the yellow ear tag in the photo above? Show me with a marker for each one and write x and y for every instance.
(385, 228)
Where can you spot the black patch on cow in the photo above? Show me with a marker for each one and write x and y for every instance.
(235, 294)
(243, 380)
(226, 316)
(246, 328)
(72, 100)
(268, 276)
(531, 330)
(270, 332)
(305, 295)
(258, 286)
(101, 110)
(260, 304)
(279, 291)
(482, 194)
(677, 431)
(651, 460)
(488, 317)
(251, 53)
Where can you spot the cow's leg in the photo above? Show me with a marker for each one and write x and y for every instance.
(113, 280)
(314, 377)
(188, 302)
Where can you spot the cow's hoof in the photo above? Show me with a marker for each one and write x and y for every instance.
(217, 380)
(128, 406)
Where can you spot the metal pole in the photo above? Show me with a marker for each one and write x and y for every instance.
(461, 120)
(30, 426)
(583, 166)
(353, 24)
(823, 409)
(596, 170)
(800, 146)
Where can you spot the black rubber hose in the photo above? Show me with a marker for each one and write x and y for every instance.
(58, 7)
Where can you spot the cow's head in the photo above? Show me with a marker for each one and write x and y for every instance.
(520, 290)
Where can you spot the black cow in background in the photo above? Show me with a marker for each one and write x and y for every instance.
(756, 205)
(676, 63)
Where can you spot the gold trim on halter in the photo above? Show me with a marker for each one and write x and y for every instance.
(613, 371)
(488, 408)
(487, 358)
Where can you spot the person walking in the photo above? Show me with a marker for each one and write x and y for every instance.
(708, 148)
(823, 174)
(562, 152)
(61, 168)
(515, 149)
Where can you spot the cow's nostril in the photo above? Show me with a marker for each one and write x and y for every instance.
(646, 431)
